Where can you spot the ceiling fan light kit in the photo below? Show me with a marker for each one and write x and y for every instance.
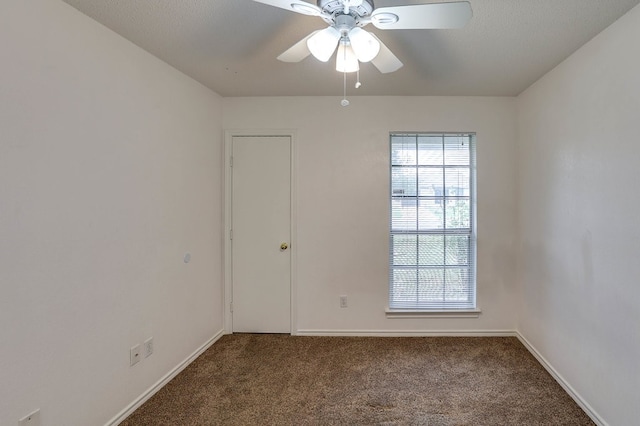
(346, 19)
(346, 59)
(365, 46)
(323, 43)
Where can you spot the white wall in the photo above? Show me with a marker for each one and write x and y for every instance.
(109, 172)
(343, 202)
(578, 201)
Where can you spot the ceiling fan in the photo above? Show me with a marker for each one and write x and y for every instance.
(346, 18)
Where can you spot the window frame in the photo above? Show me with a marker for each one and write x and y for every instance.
(420, 309)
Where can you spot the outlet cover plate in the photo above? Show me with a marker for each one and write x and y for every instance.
(134, 355)
(32, 419)
(343, 301)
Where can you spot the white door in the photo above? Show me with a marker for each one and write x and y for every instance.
(260, 226)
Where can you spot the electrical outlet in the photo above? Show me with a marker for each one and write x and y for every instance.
(32, 419)
(343, 301)
(148, 347)
(134, 355)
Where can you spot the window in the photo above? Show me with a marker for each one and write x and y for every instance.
(432, 241)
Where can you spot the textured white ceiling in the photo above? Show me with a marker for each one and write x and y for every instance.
(231, 45)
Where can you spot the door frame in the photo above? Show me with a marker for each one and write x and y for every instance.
(228, 278)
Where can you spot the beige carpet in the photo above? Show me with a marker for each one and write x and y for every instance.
(253, 379)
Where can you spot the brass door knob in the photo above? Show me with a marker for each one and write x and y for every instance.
(284, 246)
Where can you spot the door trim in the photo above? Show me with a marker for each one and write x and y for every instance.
(227, 296)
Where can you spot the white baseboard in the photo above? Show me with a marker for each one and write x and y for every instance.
(562, 382)
(162, 382)
(408, 333)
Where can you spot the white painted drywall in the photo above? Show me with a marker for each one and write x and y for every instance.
(579, 164)
(343, 202)
(110, 170)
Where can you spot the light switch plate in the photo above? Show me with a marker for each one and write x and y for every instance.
(148, 347)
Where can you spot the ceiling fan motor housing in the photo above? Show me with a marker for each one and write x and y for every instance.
(365, 8)
(344, 24)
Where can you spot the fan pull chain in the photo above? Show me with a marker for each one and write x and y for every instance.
(344, 101)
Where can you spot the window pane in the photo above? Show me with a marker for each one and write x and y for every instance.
(457, 285)
(404, 214)
(430, 215)
(456, 150)
(430, 150)
(431, 250)
(458, 214)
(430, 182)
(405, 283)
(403, 181)
(431, 285)
(403, 150)
(457, 181)
(457, 250)
(405, 249)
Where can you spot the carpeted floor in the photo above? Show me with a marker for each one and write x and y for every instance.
(266, 379)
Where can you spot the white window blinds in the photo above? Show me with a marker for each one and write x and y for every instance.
(432, 241)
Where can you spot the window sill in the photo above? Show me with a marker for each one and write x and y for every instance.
(416, 313)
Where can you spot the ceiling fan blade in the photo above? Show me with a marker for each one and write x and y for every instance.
(298, 51)
(385, 61)
(297, 6)
(423, 16)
